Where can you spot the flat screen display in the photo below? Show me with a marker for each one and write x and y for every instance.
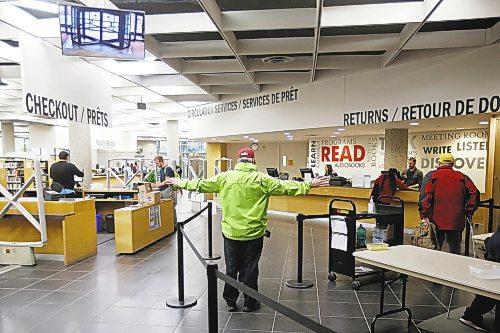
(101, 32)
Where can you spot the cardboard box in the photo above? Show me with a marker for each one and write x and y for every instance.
(145, 188)
(149, 198)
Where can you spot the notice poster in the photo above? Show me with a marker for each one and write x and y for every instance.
(154, 218)
(364, 155)
(469, 147)
(348, 155)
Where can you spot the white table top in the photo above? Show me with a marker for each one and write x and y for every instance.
(431, 265)
(482, 237)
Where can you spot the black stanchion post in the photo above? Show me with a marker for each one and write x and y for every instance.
(213, 316)
(299, 283)
(491, 204)
(181, 302)
(210, 255)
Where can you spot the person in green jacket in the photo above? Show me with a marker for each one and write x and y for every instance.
(244, 194)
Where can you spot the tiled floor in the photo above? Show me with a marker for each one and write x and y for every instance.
(127, 293)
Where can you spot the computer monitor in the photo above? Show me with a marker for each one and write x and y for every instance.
(273, 172)
(307, 173)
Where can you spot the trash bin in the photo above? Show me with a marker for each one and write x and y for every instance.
(98, 222)
(110, 223)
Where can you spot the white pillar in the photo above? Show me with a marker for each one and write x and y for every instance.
(396, 149)
(80, 152)
(173, 140)
(43, 136)
(8, 140)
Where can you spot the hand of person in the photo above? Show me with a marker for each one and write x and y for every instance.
(320, 181)
(172, 181)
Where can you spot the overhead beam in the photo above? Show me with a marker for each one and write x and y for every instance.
(410, 30)
(493, 34)
(272, 19)
(212, 9)
(317, 35)
(234, 89)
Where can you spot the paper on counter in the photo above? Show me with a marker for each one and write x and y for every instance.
(339, 242)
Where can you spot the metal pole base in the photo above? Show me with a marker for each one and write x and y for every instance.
(299, 285)
(187, 303)
(213, 257)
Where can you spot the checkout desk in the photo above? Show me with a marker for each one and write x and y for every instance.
(318, 199)
(71, 228)
(106, 201)
(138, 226)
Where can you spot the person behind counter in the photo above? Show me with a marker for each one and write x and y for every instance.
(329, 170)
(63, 175)
(386, 185)
(412, 176)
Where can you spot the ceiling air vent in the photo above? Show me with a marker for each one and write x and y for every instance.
(277, 60)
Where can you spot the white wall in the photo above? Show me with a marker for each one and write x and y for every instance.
(462, 75)
(269, 155)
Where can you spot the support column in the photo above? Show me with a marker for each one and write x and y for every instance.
(80, 149)
(8, 140)
(214, 151)
(173, 140)
(396, 149)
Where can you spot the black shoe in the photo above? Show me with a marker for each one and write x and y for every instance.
(231, 307)
(252, 308)
(478, 324)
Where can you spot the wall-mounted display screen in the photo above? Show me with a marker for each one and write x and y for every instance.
(101, 32)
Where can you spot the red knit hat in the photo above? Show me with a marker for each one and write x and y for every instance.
(246, 153)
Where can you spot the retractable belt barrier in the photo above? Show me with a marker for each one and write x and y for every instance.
(490, 204)
(213, 274)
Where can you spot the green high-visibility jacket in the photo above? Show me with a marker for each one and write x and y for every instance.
(244, 194)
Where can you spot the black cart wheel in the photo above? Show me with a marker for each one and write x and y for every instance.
(332, 277)
(355, 285)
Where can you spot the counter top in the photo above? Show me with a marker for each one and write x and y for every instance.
(137, 207)
(56, 208)
(360, 193)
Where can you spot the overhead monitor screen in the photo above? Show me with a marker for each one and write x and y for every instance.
(101, 32)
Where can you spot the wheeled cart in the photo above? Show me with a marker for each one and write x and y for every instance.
(342, 235)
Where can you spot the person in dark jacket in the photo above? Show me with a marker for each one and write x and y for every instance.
(450, 196)
(473, 315)
(63, 173)
(387, 184)
(412, 176)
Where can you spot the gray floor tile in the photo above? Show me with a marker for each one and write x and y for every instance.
(103, 328)
(251, 321)
(62, 297)
(25, 296)
(49, 284)
(149, 329)
(161, 317)
(119, 315)
(56, 326)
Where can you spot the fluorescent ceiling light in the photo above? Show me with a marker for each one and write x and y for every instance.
(48, 7)
(290, 138)
(459, 128)
(214, 139)
(287, 133)
(256, 141)
(245, 137)
(340, 129)
(221, 141)
(333, 136)
(336, 133)
(414, 124)
(483, 123)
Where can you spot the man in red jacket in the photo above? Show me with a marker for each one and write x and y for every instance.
(449, 197)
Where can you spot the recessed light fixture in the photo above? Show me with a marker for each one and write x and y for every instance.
(287, 133)
(256, 141)
(336, 133)
(221, 141)
(213, 139)
(483, 123)
(290, 138)
(245, 137)
(414, 124)
(333, 136)
(252, 139)
(340, 129)
(459, 128)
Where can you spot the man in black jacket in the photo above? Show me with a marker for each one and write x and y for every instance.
(473, 315)
(64, 172)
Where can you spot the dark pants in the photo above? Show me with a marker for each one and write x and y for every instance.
(481, 305)
(453, 238)
(242, 263)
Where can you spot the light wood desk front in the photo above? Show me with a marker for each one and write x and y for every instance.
(71, 228)
(132, 226)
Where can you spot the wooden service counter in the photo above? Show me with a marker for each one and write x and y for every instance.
(71, 228)
(138, 226)
(318, 199)
(106, 201)
(113, 182)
